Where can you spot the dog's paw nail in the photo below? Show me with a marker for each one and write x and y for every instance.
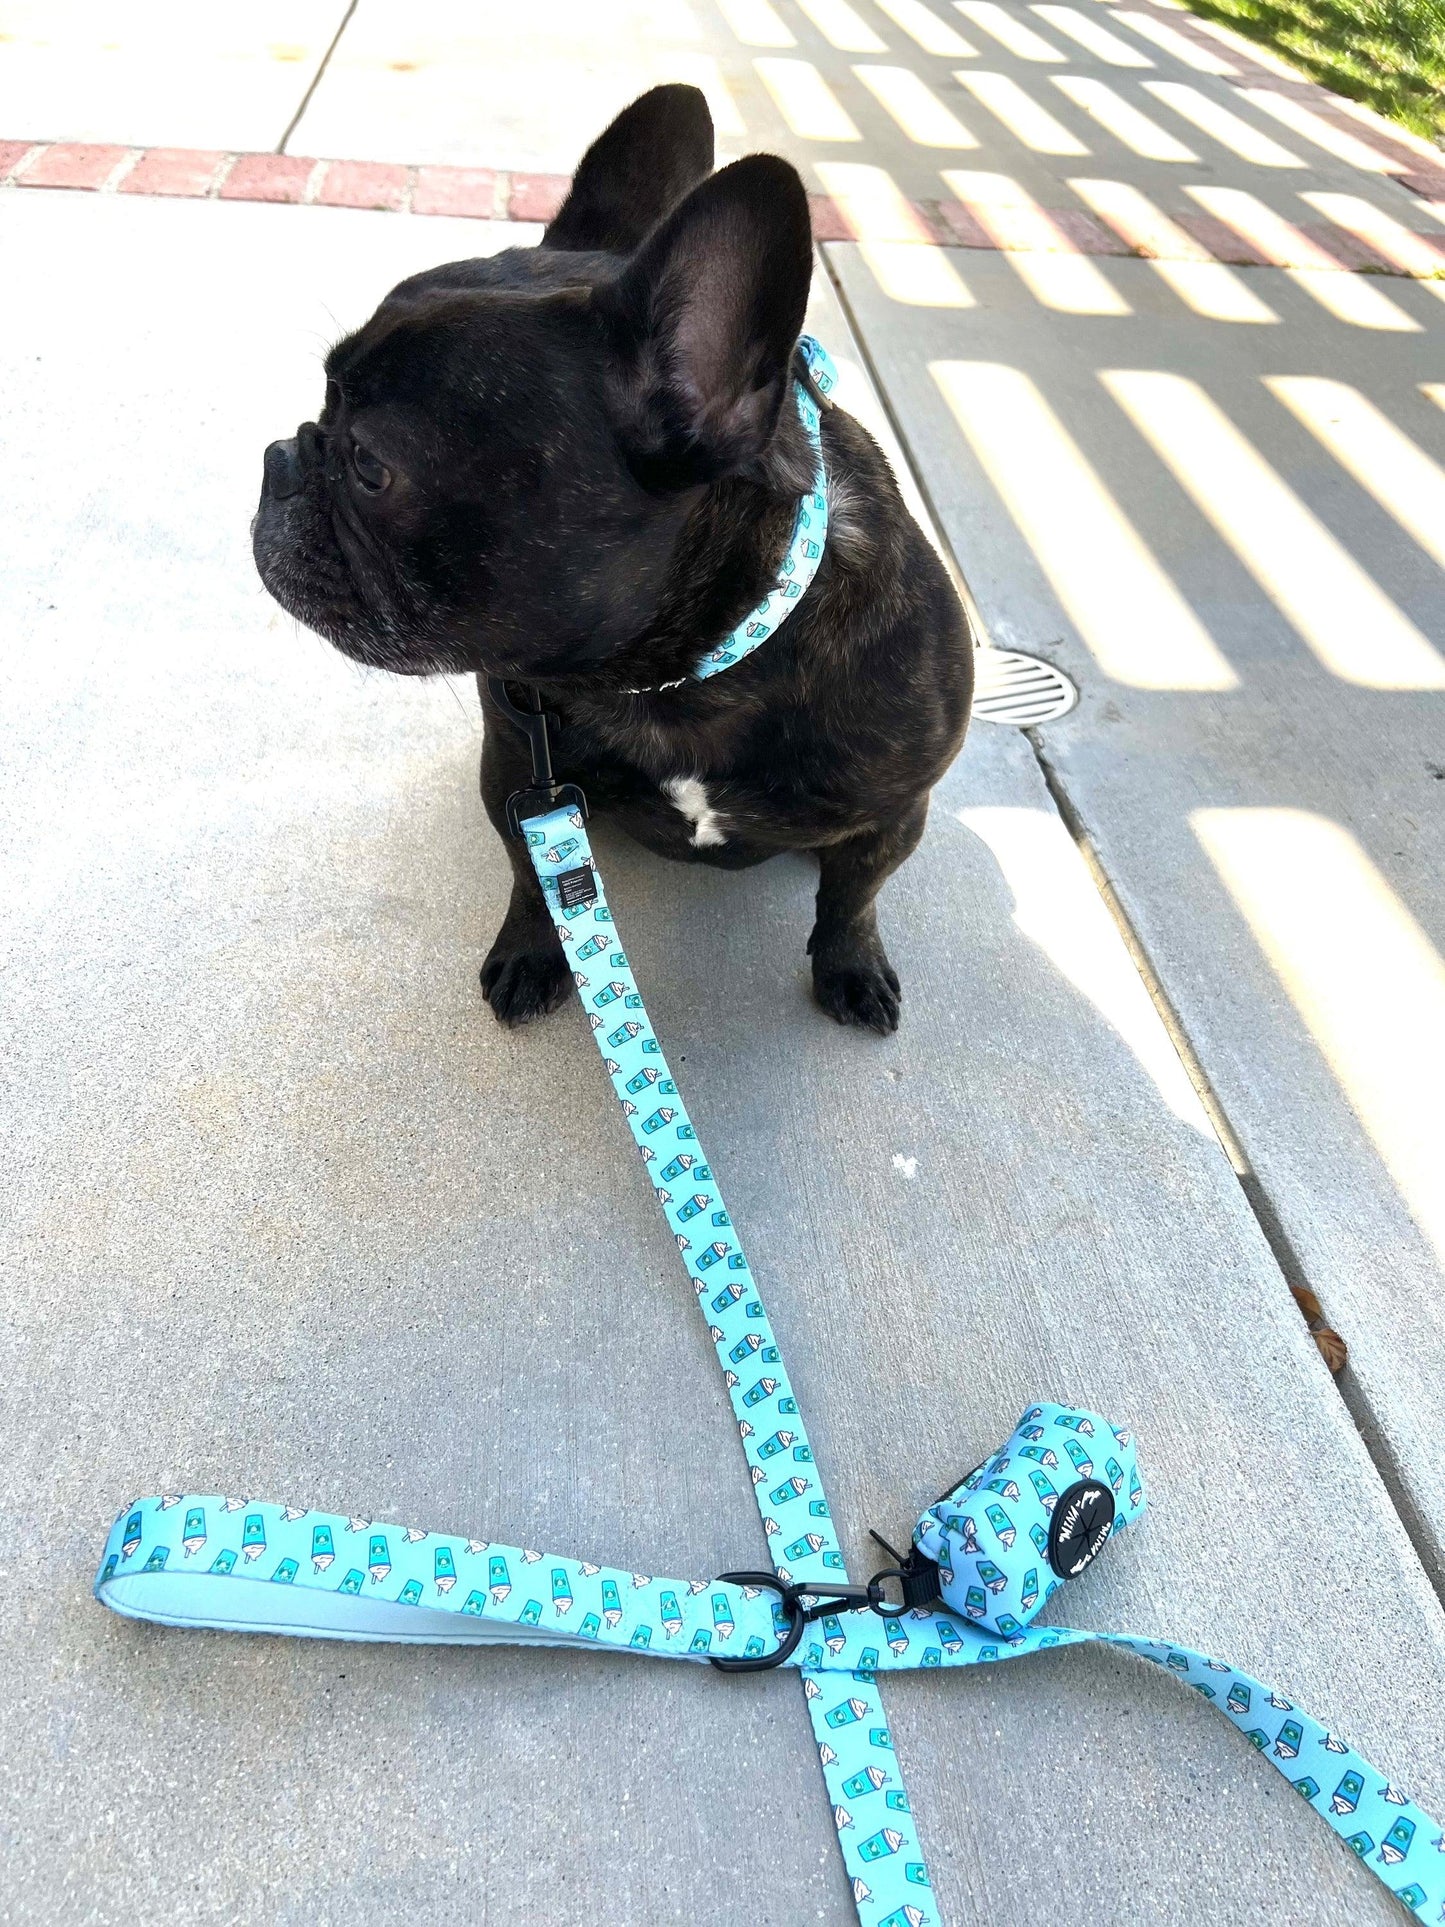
(866, 994)
(521, 985)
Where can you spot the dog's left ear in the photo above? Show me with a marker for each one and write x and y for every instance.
(703, 321)
(649, 157)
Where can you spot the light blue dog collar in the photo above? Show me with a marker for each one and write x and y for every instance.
(984, 1562)
(805, 546)
(810, 531)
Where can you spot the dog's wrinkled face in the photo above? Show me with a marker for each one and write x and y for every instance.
(509, 447)
(463, 501)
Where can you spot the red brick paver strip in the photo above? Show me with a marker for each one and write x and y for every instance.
(1396, 154)
(73, 164)
(370, 184)
(1348, 249)
(536, 197)
(1223, 243)
(961, 226)
(10, 153)
(457, 190)
(268, 177)
(828, 222)
(1086, 234)
(1145, 229)
(185, 171)
(995, 213)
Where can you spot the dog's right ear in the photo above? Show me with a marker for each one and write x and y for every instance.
(653, 153)
(703, 321)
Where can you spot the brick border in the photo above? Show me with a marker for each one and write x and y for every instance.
(493, 194)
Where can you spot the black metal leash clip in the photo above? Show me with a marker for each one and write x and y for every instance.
(918, 1584)
(545, 793)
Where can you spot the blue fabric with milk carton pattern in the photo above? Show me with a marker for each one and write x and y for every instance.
(810, 532)
(851, 1730)
(211, 1560)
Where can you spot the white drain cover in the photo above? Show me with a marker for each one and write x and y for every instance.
(1022, 690)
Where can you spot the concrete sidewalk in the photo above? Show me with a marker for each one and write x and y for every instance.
(283, 1204)
(285, 1214)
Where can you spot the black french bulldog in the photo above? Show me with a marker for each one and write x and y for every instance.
(576, 467)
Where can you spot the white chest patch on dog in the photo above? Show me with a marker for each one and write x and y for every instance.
(689, 795)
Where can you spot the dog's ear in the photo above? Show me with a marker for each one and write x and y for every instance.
(649, 157)
(704, 319)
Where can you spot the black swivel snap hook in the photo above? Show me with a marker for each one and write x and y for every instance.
(918, 1582)
(827, 1599)
(545, 792)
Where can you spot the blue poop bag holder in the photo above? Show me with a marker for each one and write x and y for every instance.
(984, 1561)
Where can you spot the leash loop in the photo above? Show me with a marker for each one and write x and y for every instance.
(787, 1645)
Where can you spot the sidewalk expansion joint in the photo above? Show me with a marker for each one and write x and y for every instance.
(1256, 1196)
(317, 77)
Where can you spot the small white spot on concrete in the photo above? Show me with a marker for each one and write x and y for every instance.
(689, 795)
(905, 1167)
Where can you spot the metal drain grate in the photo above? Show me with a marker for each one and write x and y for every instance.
(1021, 690)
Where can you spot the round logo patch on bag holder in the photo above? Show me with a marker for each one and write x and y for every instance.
(1079, 1530)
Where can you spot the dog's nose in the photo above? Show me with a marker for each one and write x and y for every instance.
(282, 470)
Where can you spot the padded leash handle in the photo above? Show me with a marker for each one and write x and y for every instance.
(249, 1566)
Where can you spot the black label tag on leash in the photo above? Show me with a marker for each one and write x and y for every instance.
(577, 887)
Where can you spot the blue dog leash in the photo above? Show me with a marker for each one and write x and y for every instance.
(848, 1719)
(992, 1551)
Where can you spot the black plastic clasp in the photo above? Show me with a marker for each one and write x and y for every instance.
(918, 1579)
(545, 792)
(834, 1599)
(917, 1576)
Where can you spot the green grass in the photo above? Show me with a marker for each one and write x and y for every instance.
(1388, 53)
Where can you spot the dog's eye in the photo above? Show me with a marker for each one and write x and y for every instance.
(372, 474)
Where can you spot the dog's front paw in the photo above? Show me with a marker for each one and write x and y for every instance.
(858, 988)
(521, 984)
